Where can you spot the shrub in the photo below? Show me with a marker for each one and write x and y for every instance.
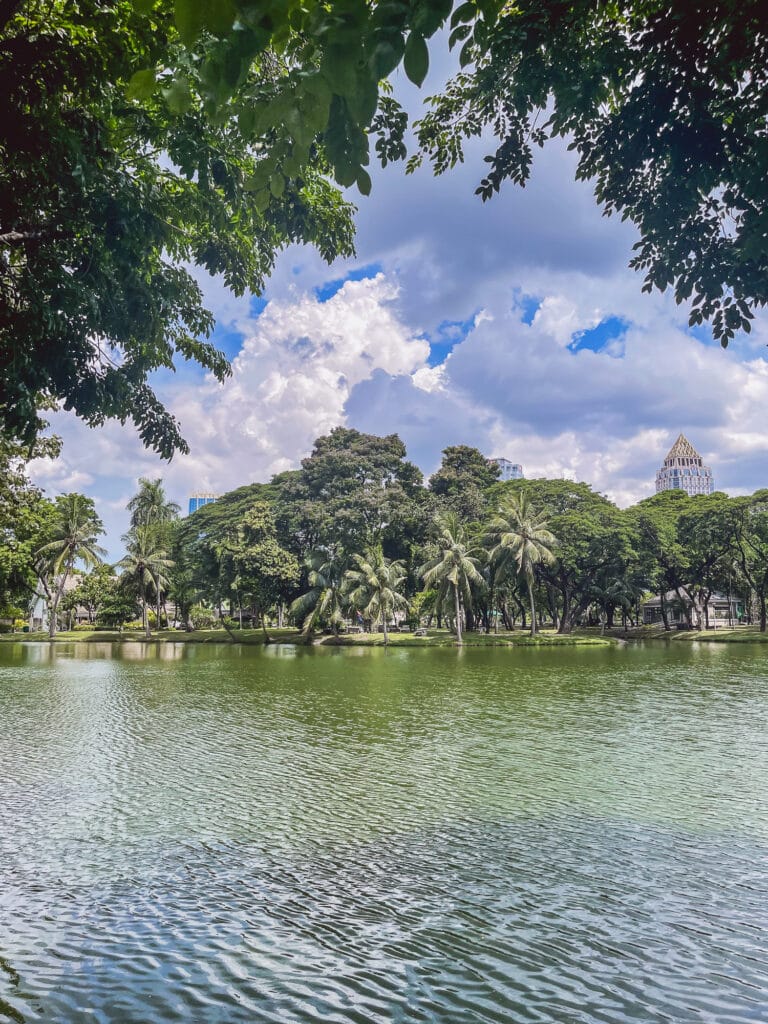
(203, 618)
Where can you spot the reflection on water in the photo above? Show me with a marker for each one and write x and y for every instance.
(230, 834)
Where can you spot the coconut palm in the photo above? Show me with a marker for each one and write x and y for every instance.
(523, 538)
(455, 568)
(145, 564)
(150, 507)
(73, 539)
(150, 504)
(372, 586)
(322, 602)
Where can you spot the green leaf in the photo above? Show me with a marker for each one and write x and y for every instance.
(144, 6)
(261, 200)
(416, 59)
(141, 85)
(178, 95)
(218, 16)
(464, 13)
(277, 184)
(189, 16)
(364, 182)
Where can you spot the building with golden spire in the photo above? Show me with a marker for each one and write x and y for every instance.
(684, 470)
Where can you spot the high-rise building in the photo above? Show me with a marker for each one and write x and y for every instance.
(684, 470)
(508, 470)
(198, 500)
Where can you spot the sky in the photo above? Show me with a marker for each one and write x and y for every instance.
(512, 325)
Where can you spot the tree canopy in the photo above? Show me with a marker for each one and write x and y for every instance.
(665, 105)
(113, 184)
(142, 139)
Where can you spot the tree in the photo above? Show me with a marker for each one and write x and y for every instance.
(594, 541)
(373, 585)
(73, 537)
(25, 521)
(664, 105)
(705, 533)
(255, 567)
(522, 535)
(455, 568)
(321, 604)
(123, 163)
(119, 605)
(656, 524)
(92, 592)
(461, 482)
(750, 533)
(145, 565)
(354, 491)
(150, 506)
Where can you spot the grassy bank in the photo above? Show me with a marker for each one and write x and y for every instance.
(737, 635)
(176, 636)
(434, 637)
(255, 637)
(442, 638)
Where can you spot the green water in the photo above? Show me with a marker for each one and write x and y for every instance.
(219, 834)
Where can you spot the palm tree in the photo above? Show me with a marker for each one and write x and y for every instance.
(74, 534)
(145, 563)
(455, 568)
(322, 602)
(150, 504)
(150, 507)
(522, 535)
(372, 587)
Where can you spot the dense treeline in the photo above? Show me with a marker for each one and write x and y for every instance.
(355, 536)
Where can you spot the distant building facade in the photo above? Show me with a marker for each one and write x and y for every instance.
(721, 611)
(198, 500)
(684, 470)
(508, 470)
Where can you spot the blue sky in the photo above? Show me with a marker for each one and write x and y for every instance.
(512, 325)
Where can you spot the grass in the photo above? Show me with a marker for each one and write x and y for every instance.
(737, 635)
(255, 637)
(435, 638)
(442, 638)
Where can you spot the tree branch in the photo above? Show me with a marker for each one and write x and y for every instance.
(12, 238)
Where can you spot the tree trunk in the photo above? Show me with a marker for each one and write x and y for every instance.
(457, 603)
(53, 608)
(145, 616)
(761, 598)
(386, 634)
(664, 614)
(533, 606)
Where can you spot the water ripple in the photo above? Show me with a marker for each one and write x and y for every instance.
(232, 836)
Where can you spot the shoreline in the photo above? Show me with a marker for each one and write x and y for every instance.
(255, 638)
(434, 638)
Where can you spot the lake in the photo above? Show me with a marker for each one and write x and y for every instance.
(226, 834)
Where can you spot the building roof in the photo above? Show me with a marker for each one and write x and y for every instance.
(682, 449)
(671, 596)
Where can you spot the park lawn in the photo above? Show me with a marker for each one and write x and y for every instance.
(442, 638)
(178, 636)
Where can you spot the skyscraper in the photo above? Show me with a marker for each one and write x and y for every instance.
(508, 470)
(198, 500)
(684, 470)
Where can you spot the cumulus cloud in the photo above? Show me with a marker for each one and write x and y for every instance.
(512, 388)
